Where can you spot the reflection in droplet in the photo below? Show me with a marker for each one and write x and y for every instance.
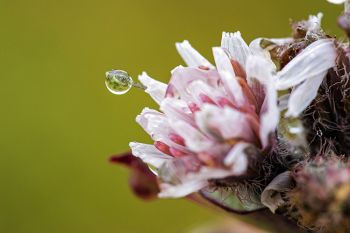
(118, 82)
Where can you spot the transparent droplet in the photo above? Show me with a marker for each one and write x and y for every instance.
(118, 82)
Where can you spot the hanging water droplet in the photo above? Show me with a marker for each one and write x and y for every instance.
(118, 82)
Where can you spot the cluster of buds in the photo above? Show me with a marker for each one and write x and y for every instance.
(320, 200)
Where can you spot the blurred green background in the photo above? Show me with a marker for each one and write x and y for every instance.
(59, 124)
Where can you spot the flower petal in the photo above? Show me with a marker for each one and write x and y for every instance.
(191, 56)
(176, 110)
(314, 23)
(303, 95)
(271, 196)
(227, 75)
(157, 125)
(192, 182)
(181, 190)
(194, 139)
(255, 45)
(258, 68)
(154, 88)
(237, 158)
(149, 154)
(236, 46)
(183, 76)
(224, 123)
(312, 61)
(198, 89)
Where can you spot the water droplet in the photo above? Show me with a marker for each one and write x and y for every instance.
(118, 82)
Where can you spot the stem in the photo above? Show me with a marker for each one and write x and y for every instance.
(139, 85)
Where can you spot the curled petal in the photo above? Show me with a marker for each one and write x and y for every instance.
(255, 46)
(271, 196)
(309, 63)
(154, 88)
(191, 56)
(236, 46)
(302, 96)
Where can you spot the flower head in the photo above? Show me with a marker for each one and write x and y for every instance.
(210, 117)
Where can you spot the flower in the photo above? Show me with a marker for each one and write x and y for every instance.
(210, 117)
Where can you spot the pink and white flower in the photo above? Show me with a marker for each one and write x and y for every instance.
(210, 115)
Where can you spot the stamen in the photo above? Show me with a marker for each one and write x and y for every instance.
(193, 107)
(177, 139)
(162, 147)
(176, 153)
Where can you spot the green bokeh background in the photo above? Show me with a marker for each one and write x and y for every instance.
(59, 124)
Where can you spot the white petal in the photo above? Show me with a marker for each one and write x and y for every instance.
(227, 75)
(193, 182)
(143, 120)
(198, 88)
(183, 76)
(314, 23)
(225, 123)
(191, 56)
(149, 154)
(236, 46)
(259, 69)
(312, 61)
(194, 139)
(237, 158)
(336, 1)
(157, 126)
(154, 88)
(302, 95)
(256, 48)
(181, 190)
(176, 110)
